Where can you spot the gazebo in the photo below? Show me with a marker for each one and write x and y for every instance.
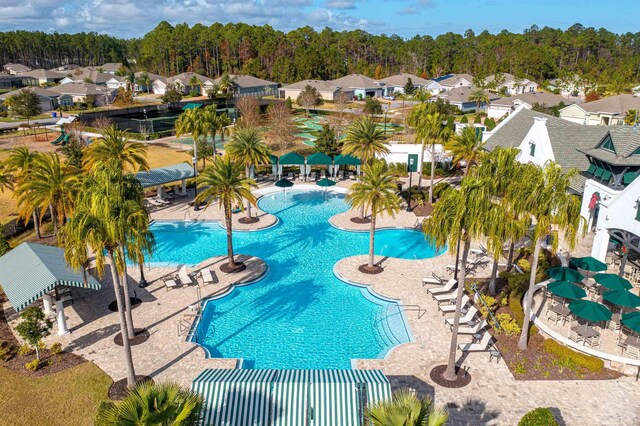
(291, 159)
(346, 160)
(163, 175)
(33, 271)
(319, 159)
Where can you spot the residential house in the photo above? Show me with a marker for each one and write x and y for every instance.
(606, 111)
(396, 83)
(45, 76)
(47, 99)
(117, 82)
(16, 81)
(361, 85)
(459, 97)
(65, 68)
(454, 81)
(328, 90)
(84, 92)
(181, 82)
(88, 75)
(15, 69)
(512, 85)
(504, 106)
(110, 67)
(139, 87)
(572, 86)
(247, 86)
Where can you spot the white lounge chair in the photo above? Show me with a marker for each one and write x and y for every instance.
(447, 309)
(434, 279)
(466, 319)
(207, 277)
(472, 329)
(446, 297)
(170, 283)
(480, 251)
(154, 202)
(447, 288)
(184, 277)
(484, 344)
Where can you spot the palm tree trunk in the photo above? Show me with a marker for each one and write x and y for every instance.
(213, 140)
(433, 172)
(512, 249)
(36, 223)
(247, 170)
(227, 217)
(420, 171)
(524, 335)
(54, 219)
(494, 274)
(37, 352)
(372, 233)
(127, 298)
(450, 373)
(131, 374)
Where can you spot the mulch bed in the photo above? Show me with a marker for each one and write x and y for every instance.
(462, 380)
(360, 220)
(119, 390)
(421, 210)
(239, 267)
(248, 220)
(142, 335)
(365, 269)
(135, 302)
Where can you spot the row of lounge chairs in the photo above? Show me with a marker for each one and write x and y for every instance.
(185, 279)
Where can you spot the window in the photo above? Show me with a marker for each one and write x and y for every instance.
(638, 211)
(532, 149)
(608, 144)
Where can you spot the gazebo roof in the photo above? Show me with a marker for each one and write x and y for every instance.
(31, 270)
(348, 160)
(291, 158)
(319, 159)
(166, 174)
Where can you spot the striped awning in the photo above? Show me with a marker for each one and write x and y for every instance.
(289, 397)
(163, 175)
(31, 270)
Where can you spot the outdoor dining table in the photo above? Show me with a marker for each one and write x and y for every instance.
(560, 310)
(585, 331)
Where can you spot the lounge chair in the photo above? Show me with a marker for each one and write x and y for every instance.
(447, 309)
(154, 202)
(466, 319)
(170, 283)
(162, 201)
(290, 176)
(207, 276)
(472, 329)
(446, 297)
(434, 279)
(483, 346)
(184, 277)
(480, 251)
(447, 288)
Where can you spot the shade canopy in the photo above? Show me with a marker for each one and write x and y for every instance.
(613, 281)
(319, 159)
(325, 182)
(31, 270)
(346, 160)
(622, 298)
(566, 289)
(273, 158)
(291, 158)
(164, 175)
(191, 105)
(591, 311)
(284, 183)
(588, 263)
(632, 320)
(288, 397)
(564, 274)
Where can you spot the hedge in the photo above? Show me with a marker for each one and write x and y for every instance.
(589, 362)
(538, 417)
(517, 311)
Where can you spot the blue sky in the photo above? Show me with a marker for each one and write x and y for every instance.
(133, 18)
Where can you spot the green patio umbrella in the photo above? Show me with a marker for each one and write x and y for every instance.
(284, 183)
(632, 320)
(566, 289)
(325, 183)
(591, 311)
(588, 263)
(562, 273)
(612, 281)
(622, 298)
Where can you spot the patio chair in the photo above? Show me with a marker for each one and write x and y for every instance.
(446, 297)
(620, 342)
(352, 176)
(447, 309)
(170, 283)
(483, 346)
(466, 319)
(154, 202)
(472, 329)
(447, 288)
(184, 277)
(593, 341)
(434, 279)
(633, 352)
(208, 277)
(575, 337)
(162, 201)
(553, 316)
(290, 176)
(479, 252)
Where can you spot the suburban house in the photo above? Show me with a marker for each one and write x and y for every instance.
(47, 99)
(606, 111)
(181, 82)
(328, 90)
(16, 81)
(504, 106)
(87, 75)
(569, 87)
(139, 87)
(395, 83)
(84, 92)
(454, 81)
(15, 69)
(361, 85)
(45, 76)
(512, 85)
(608, 160)
(65, 68)
(117, 82)
(459, 97)
(110, 67)
(247, 86)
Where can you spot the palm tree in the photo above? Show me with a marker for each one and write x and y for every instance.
(165, 404)
(20, 160)
(48, 184)
(113, 149)
(479, 96)
(224, 180)
(6, 178)
(195, 82)
(144, 80)
(226, 83)
(466, 147)
(376, 190)
(365, 140)
(406, 409)
(222, 121)
(459, 216)
(552, 207)
(247, 148)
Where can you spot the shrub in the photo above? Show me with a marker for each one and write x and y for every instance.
(4, 244)
(524, 265)
(516, 282)
(464, 119)
(42, 345)
(24, 350)
(477, 120)
(517, 312)
(5, 350)
(508, 325)
(56, 348)
(33, 365)
(589, 362)
(440, 188)
(538, 417)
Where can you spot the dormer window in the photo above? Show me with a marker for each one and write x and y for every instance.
(607, 145)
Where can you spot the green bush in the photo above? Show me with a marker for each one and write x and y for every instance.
(440, 188)
(589, 362)
(33, 365)
(524, 265)
(538, 417)
(24, 350)
(508, 325)
(4, 244)
(56, 348)
(477, 120)
(464, 119)
(5, 350)
(516, 282)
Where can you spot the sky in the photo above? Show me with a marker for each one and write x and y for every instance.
(133, 18)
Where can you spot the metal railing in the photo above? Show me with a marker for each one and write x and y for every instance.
(418, 308)
(496, 324)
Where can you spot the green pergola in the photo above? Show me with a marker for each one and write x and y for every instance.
(31, 271)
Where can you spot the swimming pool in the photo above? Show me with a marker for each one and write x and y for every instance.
(300, 315)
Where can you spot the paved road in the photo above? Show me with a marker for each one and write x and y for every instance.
(41, 121)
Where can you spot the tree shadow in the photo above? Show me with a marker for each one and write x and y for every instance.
(93, 337)
(472, 413)
(419, 386)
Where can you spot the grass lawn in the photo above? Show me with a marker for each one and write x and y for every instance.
(70, 397)
(13, 120)
(161, 155)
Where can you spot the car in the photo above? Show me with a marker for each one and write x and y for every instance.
(389, 98)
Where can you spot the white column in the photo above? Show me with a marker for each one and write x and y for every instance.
(61, 320)
(159, 191)
(47, 302)
(184, 187)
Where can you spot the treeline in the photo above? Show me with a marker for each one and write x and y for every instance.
(598, 55)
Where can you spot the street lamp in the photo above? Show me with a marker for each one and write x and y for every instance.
(410, 175)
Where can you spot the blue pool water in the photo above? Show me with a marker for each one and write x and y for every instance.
(300, 315)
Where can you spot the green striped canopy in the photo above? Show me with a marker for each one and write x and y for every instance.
(319, 159)
(163, 175)
(289, 397)
(347, 160)
(291, 158)
(31, 270)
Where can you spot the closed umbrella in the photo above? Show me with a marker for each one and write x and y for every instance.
(566, 289)
(632, 320)
(562, 273)
(591, 311)
(622, 298)
(612, 281)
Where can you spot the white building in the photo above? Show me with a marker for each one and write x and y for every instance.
(511, 84)
(327, 90)
(502, 107)
(400, 152)
(606, 111)
(395, 84)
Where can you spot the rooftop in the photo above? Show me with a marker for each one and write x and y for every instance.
(357, 81)
(320, 85)
(401, 80)
(542, 98)
(618, 104)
